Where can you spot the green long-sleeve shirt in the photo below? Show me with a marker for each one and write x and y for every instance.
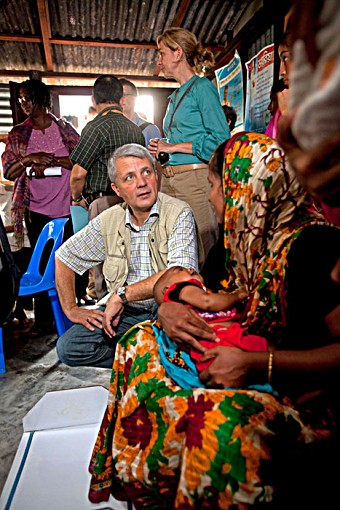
(199, 119)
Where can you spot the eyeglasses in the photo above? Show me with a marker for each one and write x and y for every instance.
(125, 95)
(25, 99)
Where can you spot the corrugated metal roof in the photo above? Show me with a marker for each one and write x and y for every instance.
(63, 36)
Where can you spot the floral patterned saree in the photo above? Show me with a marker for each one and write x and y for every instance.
(164, 447)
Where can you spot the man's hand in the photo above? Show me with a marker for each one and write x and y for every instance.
(66, 291)
(184, 326)
(87, 317)
(83, 203)
(111, 316)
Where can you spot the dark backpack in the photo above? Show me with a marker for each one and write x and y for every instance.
(10, 276)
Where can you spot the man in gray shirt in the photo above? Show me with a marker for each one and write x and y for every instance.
(128, 104)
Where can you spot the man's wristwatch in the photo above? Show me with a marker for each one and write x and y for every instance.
(77, 200)
(121, 293)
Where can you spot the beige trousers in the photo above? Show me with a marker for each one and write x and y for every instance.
(193, 187)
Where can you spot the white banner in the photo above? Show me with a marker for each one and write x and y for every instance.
(260, 72)
(230, 88)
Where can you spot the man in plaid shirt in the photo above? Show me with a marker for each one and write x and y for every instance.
(99, 139)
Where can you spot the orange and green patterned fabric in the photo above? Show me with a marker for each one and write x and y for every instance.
(168, 448)
(164, 447)
(265, 211)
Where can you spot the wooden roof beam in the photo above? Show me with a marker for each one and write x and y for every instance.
(108, 44)
(21, 38)
(76, 42)
(180, 15)
(103, 44)
(44, 17)
(84, 76)
(88, 42)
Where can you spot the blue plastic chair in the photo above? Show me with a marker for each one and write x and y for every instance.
(33, 281)
(79, 216)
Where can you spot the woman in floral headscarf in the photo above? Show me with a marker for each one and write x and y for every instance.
(166, 447)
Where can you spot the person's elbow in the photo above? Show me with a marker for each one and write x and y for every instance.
(62, 271)
(78, 174)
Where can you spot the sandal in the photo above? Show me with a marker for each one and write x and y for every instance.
(25, 322)
(20, 315)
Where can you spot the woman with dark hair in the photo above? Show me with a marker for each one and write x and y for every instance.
(41, 141)
(216, 445)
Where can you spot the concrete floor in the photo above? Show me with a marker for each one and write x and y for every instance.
(32, 370)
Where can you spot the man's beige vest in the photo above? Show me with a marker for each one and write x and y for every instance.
(117, 239)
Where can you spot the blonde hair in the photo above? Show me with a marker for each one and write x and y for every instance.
(198, 57)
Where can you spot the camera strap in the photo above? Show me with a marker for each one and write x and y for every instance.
(111, 110)
(179, 102)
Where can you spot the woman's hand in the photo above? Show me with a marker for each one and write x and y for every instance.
(228, 370)
(156, 145)
(282, 99)
(184, 326)
(37, 171)
(165, 147)
(41, 158)
(38, 162)
(63, 161)
(153, 146)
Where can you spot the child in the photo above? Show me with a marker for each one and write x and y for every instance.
(182, 285)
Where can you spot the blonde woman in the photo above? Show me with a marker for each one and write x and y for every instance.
(194, 125)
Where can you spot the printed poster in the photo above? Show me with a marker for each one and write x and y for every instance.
(260, 73)
(230, 88)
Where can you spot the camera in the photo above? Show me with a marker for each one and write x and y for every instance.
(163, 158)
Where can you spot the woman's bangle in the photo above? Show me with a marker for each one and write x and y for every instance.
(77, 200)
(21, 163)
(270, 366)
